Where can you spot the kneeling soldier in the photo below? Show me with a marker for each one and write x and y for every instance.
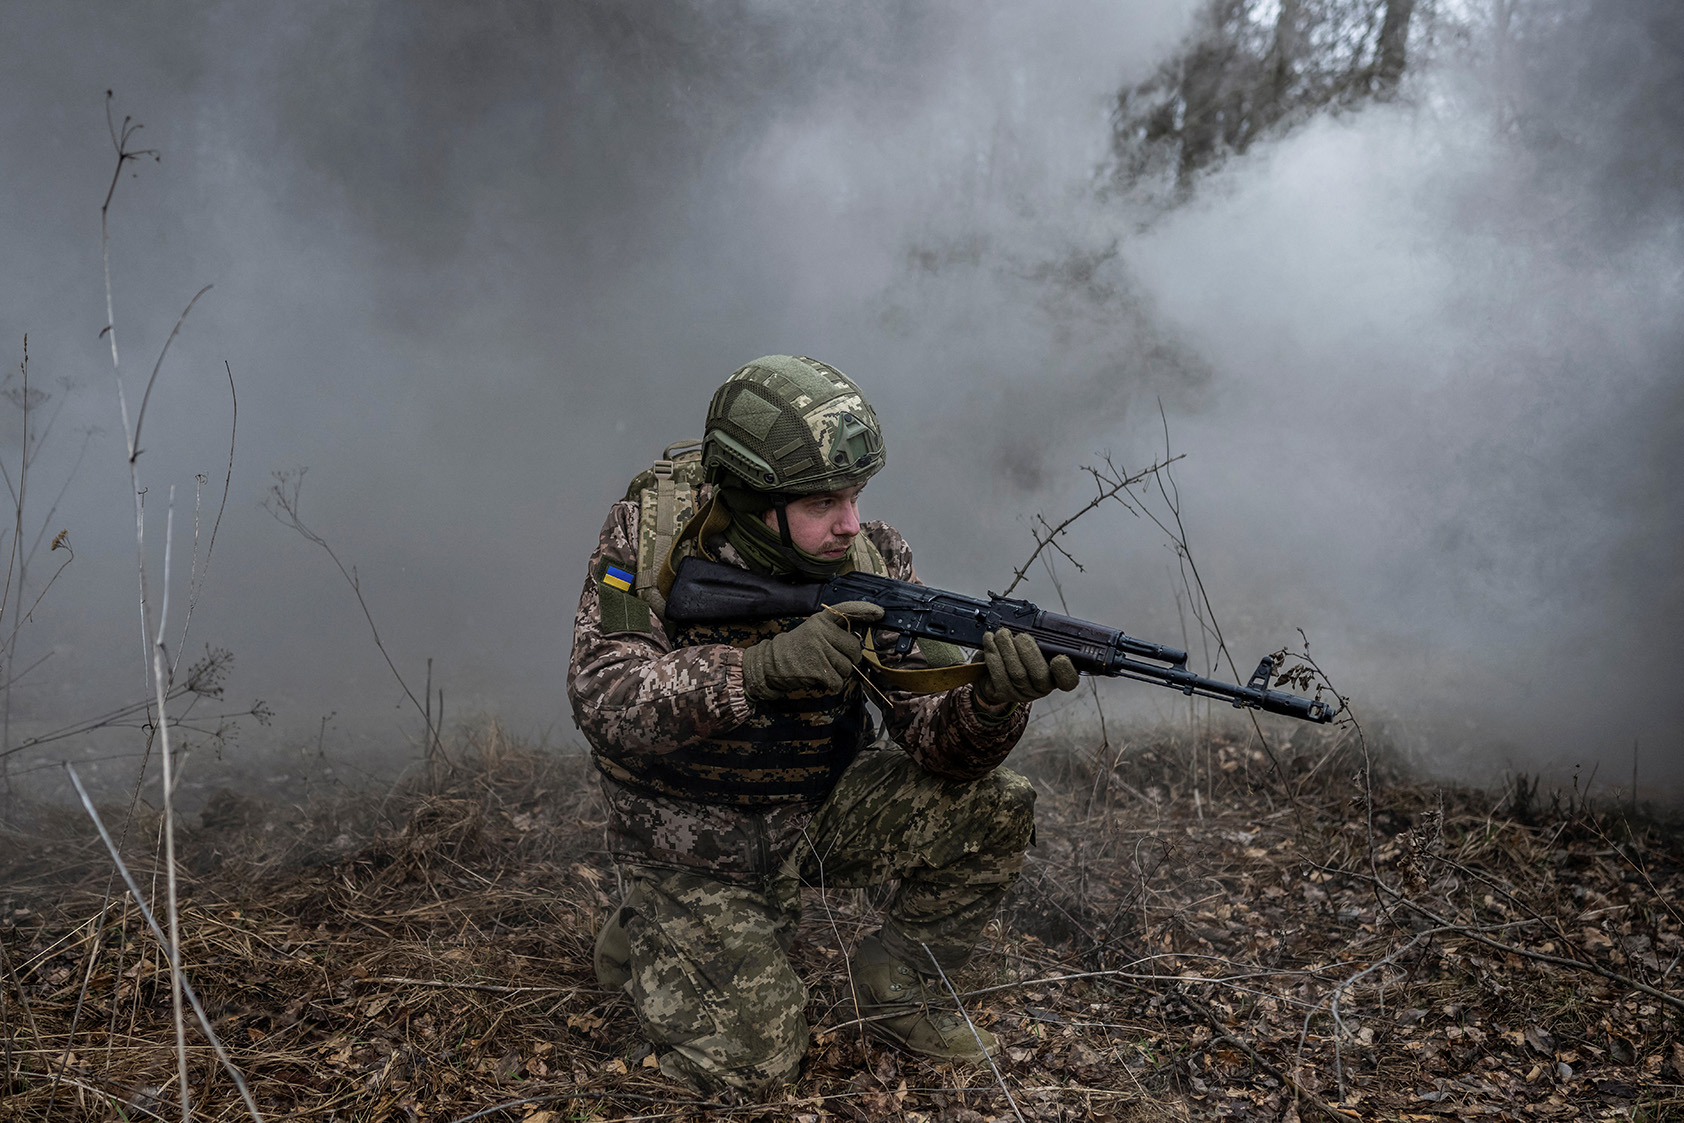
(737, 759)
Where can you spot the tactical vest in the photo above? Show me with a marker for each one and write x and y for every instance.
(790, 750)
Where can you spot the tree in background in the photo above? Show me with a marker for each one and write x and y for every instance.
(1250, 67)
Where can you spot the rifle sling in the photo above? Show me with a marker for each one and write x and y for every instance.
(930, 680)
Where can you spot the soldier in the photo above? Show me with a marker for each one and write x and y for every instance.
(738, 759)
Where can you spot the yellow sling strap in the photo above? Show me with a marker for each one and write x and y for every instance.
(930, 680)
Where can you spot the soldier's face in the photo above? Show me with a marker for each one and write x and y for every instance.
(823, 524)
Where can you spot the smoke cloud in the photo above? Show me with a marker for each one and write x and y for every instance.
(474, 267)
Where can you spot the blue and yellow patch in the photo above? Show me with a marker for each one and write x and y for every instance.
(622, 611)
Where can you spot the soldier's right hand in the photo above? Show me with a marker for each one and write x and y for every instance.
(819, 655)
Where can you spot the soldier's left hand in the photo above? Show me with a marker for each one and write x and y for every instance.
(1018, 672)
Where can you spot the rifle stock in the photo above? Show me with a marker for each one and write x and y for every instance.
(706, 591)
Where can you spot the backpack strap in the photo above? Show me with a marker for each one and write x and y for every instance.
(666, 527)
(713, 519)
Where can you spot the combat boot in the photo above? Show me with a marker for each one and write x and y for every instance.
(924, 1019)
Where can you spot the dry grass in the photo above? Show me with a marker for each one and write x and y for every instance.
(425, 955)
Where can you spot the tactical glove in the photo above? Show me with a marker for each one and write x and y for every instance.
(1018, 672)
(819, 655)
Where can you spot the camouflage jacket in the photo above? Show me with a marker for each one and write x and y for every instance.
(634, 691)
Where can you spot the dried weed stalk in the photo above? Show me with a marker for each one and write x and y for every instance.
(282, 502)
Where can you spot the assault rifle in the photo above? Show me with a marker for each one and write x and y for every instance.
(706, 591)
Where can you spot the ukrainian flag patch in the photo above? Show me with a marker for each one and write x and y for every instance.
(616, 578)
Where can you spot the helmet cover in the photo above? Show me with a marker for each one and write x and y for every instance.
(791, 425)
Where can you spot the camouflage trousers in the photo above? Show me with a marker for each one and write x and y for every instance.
(705, 961)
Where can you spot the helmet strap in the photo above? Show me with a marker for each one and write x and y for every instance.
(773, 551)
(781, 506)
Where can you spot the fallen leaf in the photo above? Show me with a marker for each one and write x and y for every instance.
(1540, 1039)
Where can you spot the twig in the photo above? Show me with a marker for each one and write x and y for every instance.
(107, 719)
(1109, 489)
(1332, 998)
(158, 933)
(1473, 933)
(119, 141)
(1137, 976)
(1221, 1034)
(1166, 485)
(23, 999)
(1350, 718)
(140, 418)
(196, 578)
(491, 988)
(1672, 1000)
(282, 504)
(989, 1057)
(835, 930)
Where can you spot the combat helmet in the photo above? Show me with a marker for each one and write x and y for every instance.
(788, 425)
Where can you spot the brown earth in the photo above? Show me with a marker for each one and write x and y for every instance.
(1199, 934)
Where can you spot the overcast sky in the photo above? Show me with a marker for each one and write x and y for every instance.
(473, 265)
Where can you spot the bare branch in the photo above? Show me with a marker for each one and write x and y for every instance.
(1108, 490)
(282, 504)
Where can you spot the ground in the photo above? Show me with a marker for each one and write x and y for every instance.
(1207, 928)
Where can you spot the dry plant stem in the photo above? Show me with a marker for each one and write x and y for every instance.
(287, 515)
(153, 641)
(1332, 1000)
(1367, 771)
(196, 578)
(103, 721)
(18, 559)
(1654, 893)
(23, 1000)
(1475, 933)
(1551, 926)
(1108, 489)
(19, 494)
(81, 994)
(172, 948)
(977, 1037)
(489, 988)
(1136, 976)
(146, 396)
(836, 931)
(119, 141)
(1166, 486)
(158, 933)
(582, 1094)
